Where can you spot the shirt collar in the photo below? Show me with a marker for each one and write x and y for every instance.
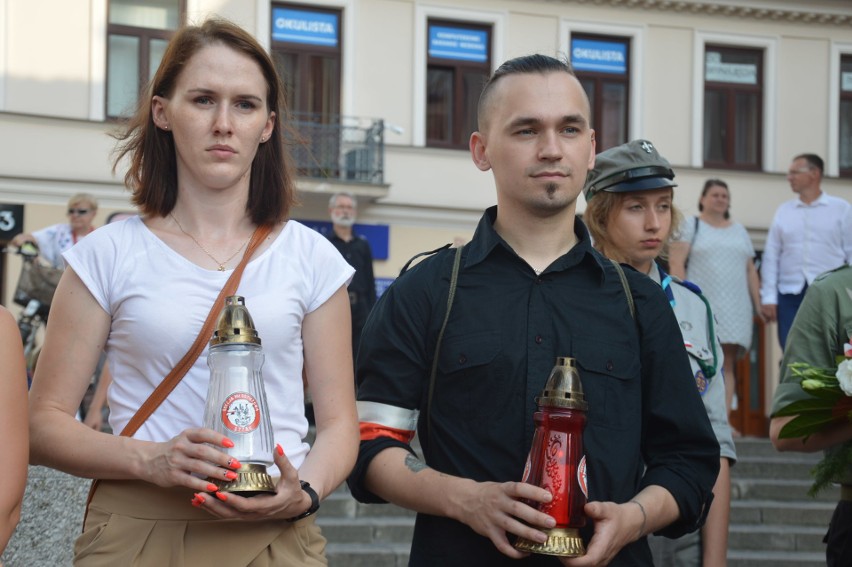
(486, 239)
(822, 200)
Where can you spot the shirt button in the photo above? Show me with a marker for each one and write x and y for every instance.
(538, 339)
(609, 365)
(462, 359)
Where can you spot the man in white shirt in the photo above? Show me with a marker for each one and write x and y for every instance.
(809, 235)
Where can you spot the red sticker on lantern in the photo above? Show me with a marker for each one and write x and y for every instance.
(581, 476)
(241, 412)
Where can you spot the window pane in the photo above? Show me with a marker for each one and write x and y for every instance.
(439, 100)
(746, 125)
(613, 128)
(714, 126)
(589, 87)
(156, 49)
(156, 14)
(287, 65)
(472, 84)
(846, 134)
(457, 67)
(321, 83)
(123, 74)
(845, 114)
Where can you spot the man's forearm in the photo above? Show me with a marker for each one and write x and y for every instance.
(403, 479)
(659, 507)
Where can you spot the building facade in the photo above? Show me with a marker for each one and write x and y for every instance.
(383, 93)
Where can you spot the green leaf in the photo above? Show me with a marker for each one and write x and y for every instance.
(809, 406)
(806, 424)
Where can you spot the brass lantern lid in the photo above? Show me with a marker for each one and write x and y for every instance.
(235, 325)
(563, 388)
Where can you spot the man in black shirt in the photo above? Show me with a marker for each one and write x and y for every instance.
(343, 208)
(530, 288)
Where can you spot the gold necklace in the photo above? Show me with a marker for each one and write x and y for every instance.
(203, 249)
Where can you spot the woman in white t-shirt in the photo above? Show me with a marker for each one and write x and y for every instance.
(207, 169)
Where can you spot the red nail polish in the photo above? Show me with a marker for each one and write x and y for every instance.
(227, 443)
(280, 450)
(197, 503)
(212, 487)
(222, 497)
(231, 475)
(199, 498)
(234, 464)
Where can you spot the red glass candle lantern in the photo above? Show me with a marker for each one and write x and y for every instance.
(557, 463)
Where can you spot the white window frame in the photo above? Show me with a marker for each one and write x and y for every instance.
(422, 15)
(769, 45)
(838, 49)
(4, 34)
(98, 61)
(635, 35)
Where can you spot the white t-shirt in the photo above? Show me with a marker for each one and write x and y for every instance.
(158, 301)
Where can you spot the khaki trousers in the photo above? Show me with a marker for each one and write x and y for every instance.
(133, 523)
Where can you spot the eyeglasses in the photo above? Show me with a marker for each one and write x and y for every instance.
(78, 211)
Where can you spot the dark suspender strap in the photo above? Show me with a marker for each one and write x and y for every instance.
(454, 278)
(626, 287)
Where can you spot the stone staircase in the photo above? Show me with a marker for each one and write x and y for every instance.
(773, 520)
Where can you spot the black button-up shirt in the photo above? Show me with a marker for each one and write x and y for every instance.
(362, 288)
(646, 423)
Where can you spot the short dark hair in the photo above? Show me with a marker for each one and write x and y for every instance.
(535, 63)
(152, 177)
(814, 161)
(715, 183)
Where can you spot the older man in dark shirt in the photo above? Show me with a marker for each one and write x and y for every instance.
(343, 209)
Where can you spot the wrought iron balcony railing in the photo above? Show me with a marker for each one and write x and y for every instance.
(340, 147)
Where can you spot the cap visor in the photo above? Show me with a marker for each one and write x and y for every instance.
(644, 184)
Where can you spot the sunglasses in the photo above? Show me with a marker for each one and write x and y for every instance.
(78, 211)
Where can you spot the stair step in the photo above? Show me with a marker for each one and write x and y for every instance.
(375, 531)
(808, 539)
(779, 489)
(775, 559)
(772, 468)
(364, 555)
(762, 447)
(768, 512)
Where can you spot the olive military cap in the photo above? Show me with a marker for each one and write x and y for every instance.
(634, 166)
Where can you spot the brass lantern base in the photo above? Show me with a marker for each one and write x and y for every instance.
(564, 542)
(251, 480)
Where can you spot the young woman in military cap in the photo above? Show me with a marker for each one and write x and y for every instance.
(631, 216)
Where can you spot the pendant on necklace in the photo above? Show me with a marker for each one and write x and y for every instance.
(221, 268)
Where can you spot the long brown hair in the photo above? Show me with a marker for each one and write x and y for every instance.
(152, 176)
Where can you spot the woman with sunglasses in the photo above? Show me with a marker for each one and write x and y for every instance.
(56, 239)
